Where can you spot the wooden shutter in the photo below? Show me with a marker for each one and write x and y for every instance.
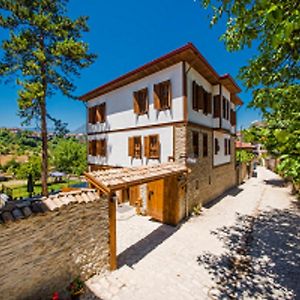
(91, 148)
(103, 148)
(98, 147)
(146, 146)
(156, 91)
(136, 109)
(205, 144)
(158, 146)
(97, 113)
(229, 146)
(103, 112)
(91, 115)
(225, 146)
(217, 106)
(169, 93)
(201, 95)
(233, 117)
(131, 146)
(209, 103)
(195, 102)
(146, 100)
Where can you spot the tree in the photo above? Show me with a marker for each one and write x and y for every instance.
(69, 156)
(33, 167)
(274, 73)
(44, 51)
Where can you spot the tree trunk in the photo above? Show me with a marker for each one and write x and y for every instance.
(44, 134)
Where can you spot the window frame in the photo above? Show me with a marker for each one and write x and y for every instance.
(195, 144)
(162, 102)
(205, 145)
(216, 146)
(154, 151)
(139, 97)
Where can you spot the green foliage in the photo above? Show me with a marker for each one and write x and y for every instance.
(69, 156)
(44, 51)
(33, 167)
(11, 167)
(244, 156)
(274, 73)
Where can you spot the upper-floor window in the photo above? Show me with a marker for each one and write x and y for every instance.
(201, 99)
(225, 146)
(141, 101)
(101, 147)
(217, 146)
(92, 148)
(162, 95)
(152, 146)
(224, 107)
(195, 143)
(217, 106)
(232, 117)
(97, 114)
(135, 147)
(205, 145)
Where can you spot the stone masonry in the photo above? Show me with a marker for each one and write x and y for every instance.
(42, 253)
(205, 181)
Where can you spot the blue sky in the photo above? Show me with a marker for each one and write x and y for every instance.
(128, 34)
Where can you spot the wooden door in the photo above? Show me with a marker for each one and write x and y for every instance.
(155, 195)
(134, 195)
(171, 201)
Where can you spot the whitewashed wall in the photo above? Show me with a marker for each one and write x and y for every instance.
(117, 147)
(119, 103)
(221, 158)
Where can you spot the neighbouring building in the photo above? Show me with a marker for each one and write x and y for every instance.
(176, 108)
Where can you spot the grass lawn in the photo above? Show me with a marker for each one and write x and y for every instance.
(21, 190)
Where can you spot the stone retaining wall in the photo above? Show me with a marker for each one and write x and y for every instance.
(45, 252)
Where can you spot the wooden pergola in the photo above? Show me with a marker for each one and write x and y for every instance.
(112, 180)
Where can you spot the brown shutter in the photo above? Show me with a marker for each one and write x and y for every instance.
(201, 96)
(156, 91)
(98, 147)
(217, 106)
(225, 146)
(91, 144)
(158, 147)
(147, 100)
(131, 146)
(233, 117)
(91, 115)
(103, 112)
(169, 93)
(97, 113)
(135, 103)
(146, 146)
(195, 102)
(209, 103)
(104, 147)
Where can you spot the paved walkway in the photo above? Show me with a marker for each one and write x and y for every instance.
(245, 246)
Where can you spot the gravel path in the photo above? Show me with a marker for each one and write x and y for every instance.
(246, 245)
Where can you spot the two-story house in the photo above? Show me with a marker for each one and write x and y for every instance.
(175, 108)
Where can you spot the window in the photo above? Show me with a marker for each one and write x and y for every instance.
(205, 145)
(232, 117)
(217, 147)
(225, 147)
(228, 110)
(135, 147)
(207, 103)
(224, 107)
(229, 147)
(201, 99)
(97, 114)
(141, 101)
(195, 143)
(92, 148)
(162, 95)
(101, 147)
(217, 103)
(152, 146)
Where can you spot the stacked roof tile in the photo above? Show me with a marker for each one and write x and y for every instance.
(21, 209)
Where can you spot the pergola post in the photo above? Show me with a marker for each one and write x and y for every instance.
(112, 232)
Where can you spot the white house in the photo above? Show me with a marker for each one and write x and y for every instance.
(175, 108)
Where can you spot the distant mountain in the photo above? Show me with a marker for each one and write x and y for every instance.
(81, 129)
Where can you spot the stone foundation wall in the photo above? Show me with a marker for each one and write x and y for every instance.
(45, 252)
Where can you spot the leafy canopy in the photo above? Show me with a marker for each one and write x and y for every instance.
(273, 73)
(44, 50)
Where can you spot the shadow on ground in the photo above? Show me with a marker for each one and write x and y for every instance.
(262, 258)
(137, 251)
